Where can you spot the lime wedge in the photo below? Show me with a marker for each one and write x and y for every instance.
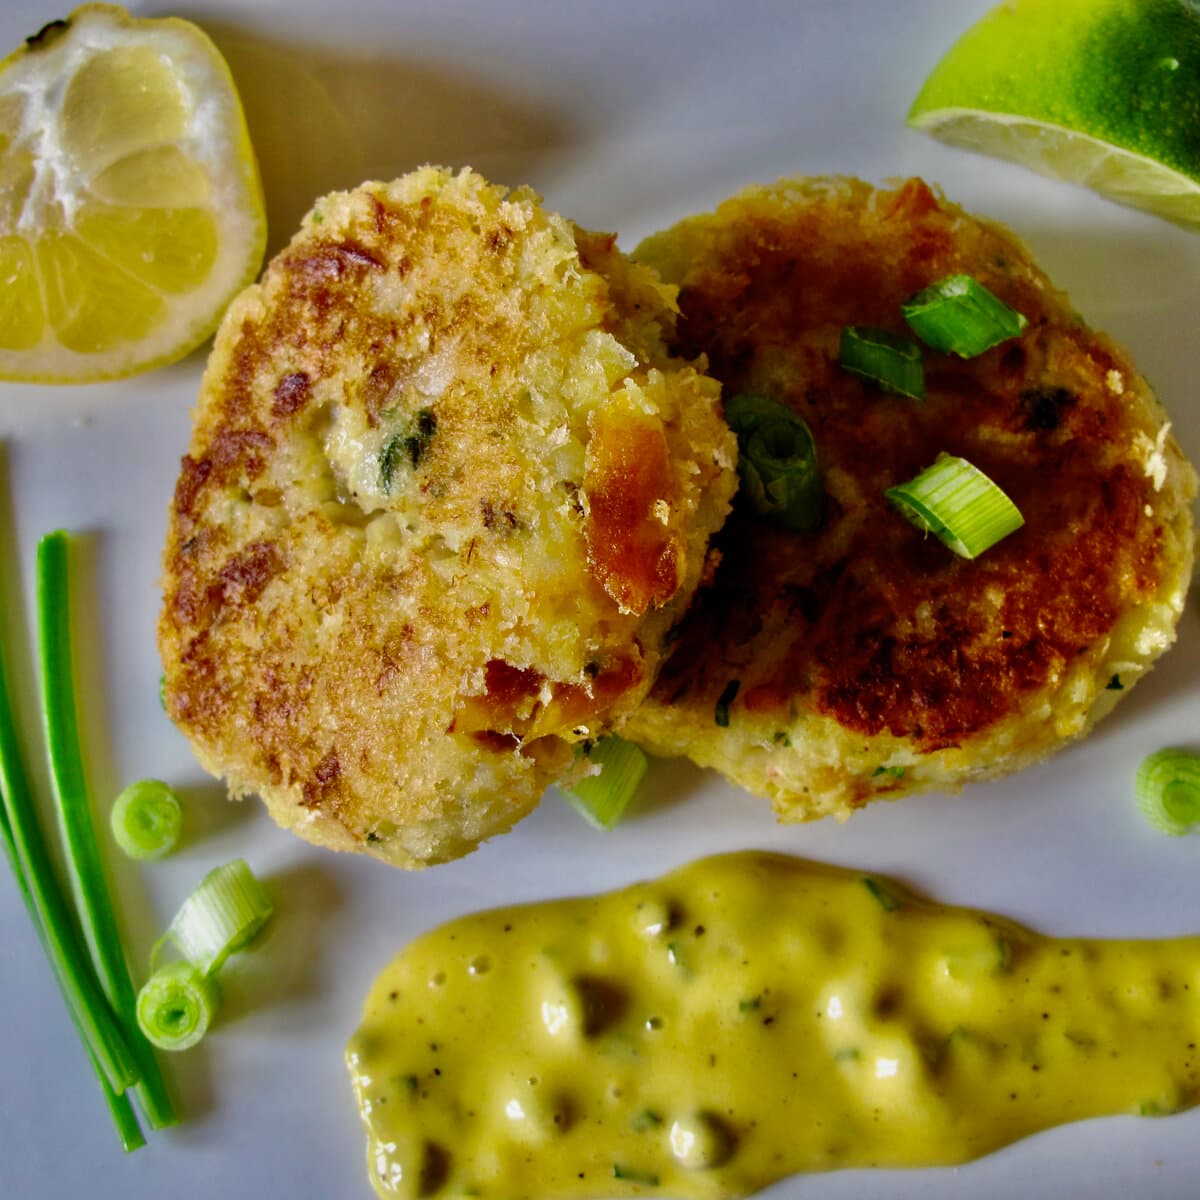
(1104, 93)
(130, 205)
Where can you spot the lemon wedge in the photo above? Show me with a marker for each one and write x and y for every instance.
(131, 210)
(1103, 93)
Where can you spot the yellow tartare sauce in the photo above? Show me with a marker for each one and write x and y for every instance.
(744, 1018)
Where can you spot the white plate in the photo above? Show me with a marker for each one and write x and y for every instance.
(626, 115)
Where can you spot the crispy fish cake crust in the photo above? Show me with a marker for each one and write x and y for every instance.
(446, 492)
(867, 660)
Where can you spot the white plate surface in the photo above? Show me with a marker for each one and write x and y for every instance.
(626, 115)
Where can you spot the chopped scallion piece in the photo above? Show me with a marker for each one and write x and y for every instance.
(724, 700)
(1168, 790)
(84, 867)
(603, 798)
(635, 1175)
(645, 1120)
(1156, 1108)
(177, 1005)
(958, 315)
(146, 819)
(969, 963)
(959, 504)
(223, 914)
(777, 461)
(408, 446)
(888, 900)
(889, 360)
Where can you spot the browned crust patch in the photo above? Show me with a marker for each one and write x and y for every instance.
(634, 554)
(867, 620)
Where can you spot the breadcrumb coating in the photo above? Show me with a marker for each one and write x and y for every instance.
(445, 495)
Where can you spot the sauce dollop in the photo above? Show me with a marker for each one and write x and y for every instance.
(744, 1018)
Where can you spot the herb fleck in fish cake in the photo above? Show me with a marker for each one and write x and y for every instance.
(445, 494)
(865, 659)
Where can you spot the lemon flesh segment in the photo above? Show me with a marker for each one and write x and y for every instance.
(130, 206)
(22, 316)
(1103, 93)
(92, 307)
(162, 175)
(172, 249)
(118, 102)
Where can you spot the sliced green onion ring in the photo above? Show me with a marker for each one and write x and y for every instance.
(223, 914)
(603, 798)
(889, 360)
(958, 315)
(1168, 790)
(959, 504)
(146, 819)
(177, 1005)
(777, 461)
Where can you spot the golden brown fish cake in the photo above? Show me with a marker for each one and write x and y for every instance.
(865, 659)
(445, 494)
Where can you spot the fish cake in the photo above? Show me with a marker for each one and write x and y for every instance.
(865, 659)
(445, 495)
